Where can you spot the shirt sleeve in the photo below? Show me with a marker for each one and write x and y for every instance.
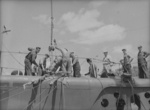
(109, 57)
(69, 67)
(128, 56)
(33, 56)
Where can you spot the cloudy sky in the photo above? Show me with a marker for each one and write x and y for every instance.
(87, 27)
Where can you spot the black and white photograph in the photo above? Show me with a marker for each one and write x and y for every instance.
(74, 54)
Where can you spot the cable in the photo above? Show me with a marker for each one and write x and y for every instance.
(58, 55)
(11, 68)
(9, 90)
(45, 97)
(15, 94)
(134, 93)
(12, 55)
(33, 100)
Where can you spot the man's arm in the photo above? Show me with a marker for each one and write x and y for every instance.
(87, 74)
(74, 61)
(146, 54)
(33, 59)
(69, 67)
(130, 59)
(59, 49)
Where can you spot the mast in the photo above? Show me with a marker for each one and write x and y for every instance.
(52, 25)
(0, 55)
(51, 36)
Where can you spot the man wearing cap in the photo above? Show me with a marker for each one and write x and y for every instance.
(64, 63)
(92, 68)
(106, 65)
(126, 62)
(30, 59)
(142, 63)
(42, 65)
(75, 65)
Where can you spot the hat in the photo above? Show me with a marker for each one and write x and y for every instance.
(88, 60)
(38, 47)
(71, 52)
(51, 48)
(47, 55)
(123, 49)
(139, 46)
(105, 52)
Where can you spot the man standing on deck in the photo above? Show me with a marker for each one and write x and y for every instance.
(127, 62)
(106, 65)
(75, 65)
(142, 63)
(42, 65)
(92, 69)
(64, 63)
(30, 59)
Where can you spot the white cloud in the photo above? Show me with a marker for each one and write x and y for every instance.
(96, 4)
(81, 21)
(87, 24)
(44, 19)
(100, 35)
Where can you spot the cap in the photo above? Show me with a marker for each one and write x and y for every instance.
(88, 60)
(139, 46)
(105, 52)
(123, 49)
(71, 52)
(38, 47)
(47, 55)
(51, 48)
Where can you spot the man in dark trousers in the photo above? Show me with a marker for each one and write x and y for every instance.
(64, 63)
(127, 62)
(75, 65)
(92, 68)
(142, 63)
(30, 59)
(42, 65)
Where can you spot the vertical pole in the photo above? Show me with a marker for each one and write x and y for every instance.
(51, 39)
(51, 23)
(0, 55)
(128, 101)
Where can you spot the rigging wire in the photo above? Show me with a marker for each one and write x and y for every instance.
(12, 55)
(8, 90)
(12, 68)
(94, 59)
(16, 94)
(45, 97)
(134, 93)
(34, 100)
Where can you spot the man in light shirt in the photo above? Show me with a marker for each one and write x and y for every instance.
(142, 63)
(106, 65)
(92, 68)
(43, 65)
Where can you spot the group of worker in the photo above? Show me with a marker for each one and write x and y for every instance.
(68, 63)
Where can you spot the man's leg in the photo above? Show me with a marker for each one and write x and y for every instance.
(145, 71)
(28, 68)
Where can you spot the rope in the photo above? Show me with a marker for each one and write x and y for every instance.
(10, 90)
(119, 95)
(58, 56)
(138, 97)
(16, 94)
(45, 97)
(11, 68)
(12, 55)
(33, 100)
(132, 91)
(11, 96)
